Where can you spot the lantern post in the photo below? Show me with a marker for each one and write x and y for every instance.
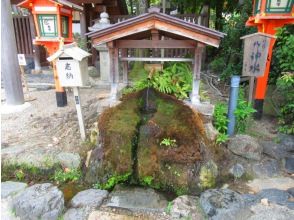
(53, 24)
(268, 15)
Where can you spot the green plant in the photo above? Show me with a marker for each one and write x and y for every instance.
(168, 142)
(283, 53)
(243, 113)
(19, 174)
(222, 138)
(220, 122)
(147, 181)
(67, 175)
(169, 207)
(112, 181)
(175, 79)
(285, 86)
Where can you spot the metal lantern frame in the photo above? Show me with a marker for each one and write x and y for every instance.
(265, 6)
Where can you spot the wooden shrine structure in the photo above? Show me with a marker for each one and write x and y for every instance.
(146, 31)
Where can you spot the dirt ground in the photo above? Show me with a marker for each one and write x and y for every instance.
(44, 125)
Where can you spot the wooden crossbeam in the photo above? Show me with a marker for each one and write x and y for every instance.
(174, 59)
(156, 44)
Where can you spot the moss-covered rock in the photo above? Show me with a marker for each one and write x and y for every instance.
(117, 128)
(131, 141)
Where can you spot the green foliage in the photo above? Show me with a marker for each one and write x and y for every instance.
(147, 181)
(283, 53)
(112, 181)
(175, 79)
(285, 85)
(243, 113)
(220, 122)
(229, 58)
(19, 174)
(67, 175)
(81, 41)
(23, 172)
(169, 207)
(168, 142)
(222, 138)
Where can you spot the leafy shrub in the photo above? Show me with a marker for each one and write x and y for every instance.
(229, 58)
(243, 113)
(112, 181)
(176, 79)
(220, 122)
(168, 142)
(286, 117)
(147, 181)
(67, 175)
(283, 53)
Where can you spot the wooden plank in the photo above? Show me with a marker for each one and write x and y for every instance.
(175, 59)
(124, 53)
(25, 39)
(156, 44)
(20, 35)
(15, 24)
(116, 65)
(29, 35)
(187, 33)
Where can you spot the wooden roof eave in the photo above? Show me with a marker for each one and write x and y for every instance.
(158, 18)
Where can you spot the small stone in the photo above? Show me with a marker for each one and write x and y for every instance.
(211, 132)
(185, 207)
(282, 183)
(289, 165)
(89, 198)
(77, 214)
(237, 170)
(264, 201)
(93, 72)
(274, 196)
(214, 201)
(272, 212)
(137, 199)
(266, 168)
(10, 188)
(40, 201)
(245, 146)
(69, 160)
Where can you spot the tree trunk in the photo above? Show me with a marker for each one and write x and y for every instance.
(218, 15)
(10, 68)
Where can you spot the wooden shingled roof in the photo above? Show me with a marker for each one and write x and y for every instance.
(162, 22)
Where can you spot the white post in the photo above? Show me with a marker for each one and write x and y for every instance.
(79, 112)
(195, 96)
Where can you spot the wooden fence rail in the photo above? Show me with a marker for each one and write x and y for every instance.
(23, 35)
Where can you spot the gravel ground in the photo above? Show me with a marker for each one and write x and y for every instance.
(43, 125)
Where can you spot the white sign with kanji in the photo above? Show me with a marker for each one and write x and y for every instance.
(21, 59)
(69, 73)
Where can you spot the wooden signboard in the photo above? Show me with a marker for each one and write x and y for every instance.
(255, 53)
(256, 47)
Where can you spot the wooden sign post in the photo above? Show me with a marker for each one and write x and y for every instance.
(22, 62)
(256, 47)
(72, 69)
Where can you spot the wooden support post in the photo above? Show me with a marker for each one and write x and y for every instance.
(10, 68)
(124, 53)
(154, 36)
(36, 48)
(114, 72)
(251, 89)
(83, 23)
(79, 112)
(195, 96)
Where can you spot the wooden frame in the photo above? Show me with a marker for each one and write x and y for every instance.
(156, 44)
